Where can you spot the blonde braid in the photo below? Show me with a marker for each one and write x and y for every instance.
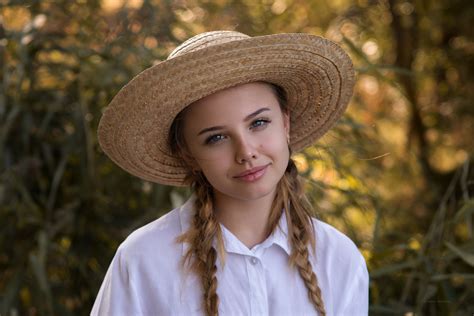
(200, 237)
(301, 258)
(301, 233)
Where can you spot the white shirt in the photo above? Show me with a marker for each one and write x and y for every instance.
(146, 276)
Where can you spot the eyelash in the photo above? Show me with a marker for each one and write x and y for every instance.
(258, 124)
(211, 140)
(265, 122)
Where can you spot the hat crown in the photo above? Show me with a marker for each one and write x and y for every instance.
(206, 39)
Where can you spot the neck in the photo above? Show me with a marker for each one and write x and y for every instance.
(246, 219)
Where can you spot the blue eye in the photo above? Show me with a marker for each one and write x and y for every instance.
(214, 139)
(259, 123)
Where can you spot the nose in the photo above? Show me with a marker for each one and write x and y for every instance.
(245, 151)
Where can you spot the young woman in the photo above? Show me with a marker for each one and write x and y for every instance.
(223, 114)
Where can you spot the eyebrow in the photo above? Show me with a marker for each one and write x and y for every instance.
(248, 117)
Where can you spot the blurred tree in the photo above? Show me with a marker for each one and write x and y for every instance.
(395, 174)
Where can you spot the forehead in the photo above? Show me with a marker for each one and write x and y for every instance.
(233, 102)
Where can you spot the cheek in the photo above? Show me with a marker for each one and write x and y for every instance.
(274, 144)
(214, 168)
(205, 158)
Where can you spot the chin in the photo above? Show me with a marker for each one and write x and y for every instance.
(252, 193)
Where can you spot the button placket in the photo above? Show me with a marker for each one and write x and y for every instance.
(257, 287)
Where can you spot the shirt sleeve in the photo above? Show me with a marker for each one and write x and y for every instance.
(356, 295)
(117, 295)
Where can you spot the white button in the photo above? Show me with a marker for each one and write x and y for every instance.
(253, 260)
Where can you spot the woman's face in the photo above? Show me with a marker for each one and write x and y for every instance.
(238, 139)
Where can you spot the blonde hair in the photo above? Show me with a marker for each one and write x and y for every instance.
(201, 256)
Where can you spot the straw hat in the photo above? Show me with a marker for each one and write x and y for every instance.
(316, 74)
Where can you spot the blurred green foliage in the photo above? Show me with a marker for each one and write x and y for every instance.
(395, 174)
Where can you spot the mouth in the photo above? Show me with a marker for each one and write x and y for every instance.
(252, 174)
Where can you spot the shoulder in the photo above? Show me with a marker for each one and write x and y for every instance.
(342, 271)
(145, 268)
(331, 240)
(160, 232)
(155, 243)
(335, 248)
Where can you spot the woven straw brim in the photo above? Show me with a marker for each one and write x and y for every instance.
(316, 74)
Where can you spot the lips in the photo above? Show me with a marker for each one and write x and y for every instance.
(252, 174)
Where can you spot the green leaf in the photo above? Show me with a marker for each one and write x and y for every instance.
(465, 256)
(393, 268)
(466, 210)
(449, 276)
(10, 293)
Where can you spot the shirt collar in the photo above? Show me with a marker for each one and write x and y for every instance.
(231, 243)
(280, 234)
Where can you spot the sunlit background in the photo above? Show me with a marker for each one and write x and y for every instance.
(395, 174)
